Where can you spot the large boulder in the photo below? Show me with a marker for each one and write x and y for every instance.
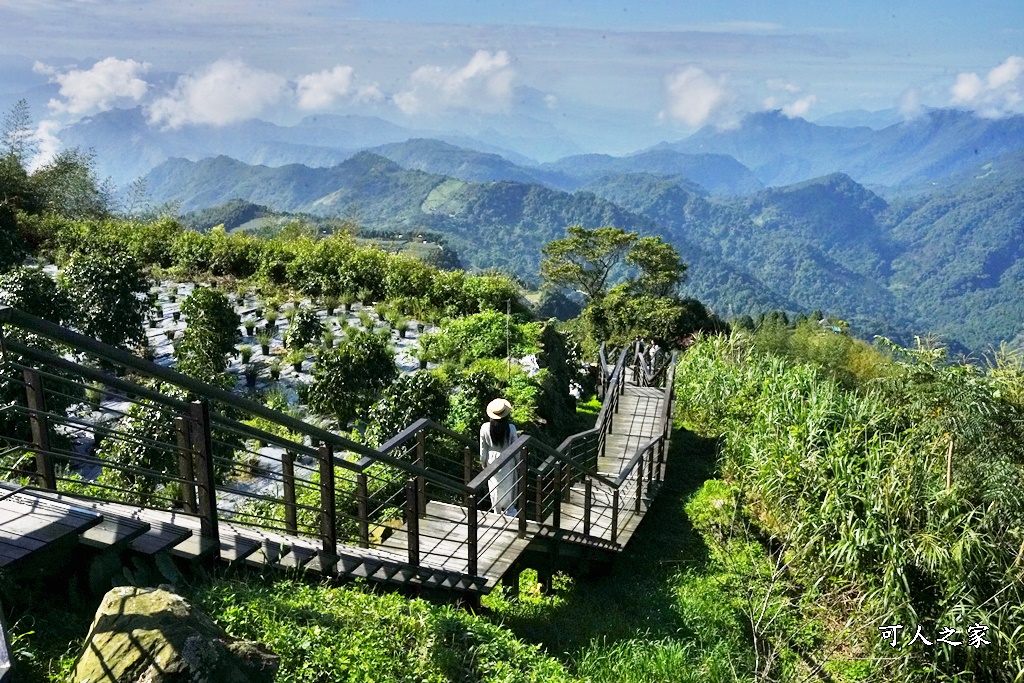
(150, 635)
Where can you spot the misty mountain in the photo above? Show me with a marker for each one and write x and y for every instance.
(717, 173)
(442, 158)
(490, 224)
(780, 150)
(127, 146)
(775, 240)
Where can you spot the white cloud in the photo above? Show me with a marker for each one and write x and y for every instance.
(783, 85)
(98, 87)
(999, 93)
(800, 107)
(967, 88)
(1006, 73)
(47, 143)
(910, 104)
(320, 90)
(369, 94)
(484, 83)
(693, 96)
(225, 92)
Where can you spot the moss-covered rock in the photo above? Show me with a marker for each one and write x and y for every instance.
(150, 635)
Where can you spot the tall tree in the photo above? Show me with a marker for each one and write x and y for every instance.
(661, 271)
(17, 135)
(584, 260)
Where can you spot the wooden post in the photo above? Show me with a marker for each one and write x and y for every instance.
(46, 478)
(586, 506)
(421, 460)
(412, 521)
(523, 477)
(615, 515)
(467, 467)
(650, 465)
(472, 535)
(199, 411)
(362, 507)
(510, 579)
(186, 468)
(556, 514)
(328, 513)
(291, 522)
(538, 498)
(639, 482)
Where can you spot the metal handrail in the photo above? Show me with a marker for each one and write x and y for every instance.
(331, 452)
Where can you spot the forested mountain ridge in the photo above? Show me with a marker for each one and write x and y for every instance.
(718, 174)
(490, 224)
(782, 150)
(944, 262)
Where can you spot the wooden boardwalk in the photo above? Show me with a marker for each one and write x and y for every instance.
(633, 426)
(443, 529)
(32, 519)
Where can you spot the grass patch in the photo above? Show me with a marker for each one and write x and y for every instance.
(326, 633)
(661, 613)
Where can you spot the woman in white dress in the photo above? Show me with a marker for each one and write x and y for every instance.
(495, 435)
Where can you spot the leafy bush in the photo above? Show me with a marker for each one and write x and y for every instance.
(305, 328)
(485, 335)
(348, 377)
(211, 333)
(109, 289)
(410, 397)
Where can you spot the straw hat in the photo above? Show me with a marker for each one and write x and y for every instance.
(498, 408)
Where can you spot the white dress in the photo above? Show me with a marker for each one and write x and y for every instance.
(502, 486)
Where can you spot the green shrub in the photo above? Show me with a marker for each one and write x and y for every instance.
(486, 335)
(305, 328)
(348, 634)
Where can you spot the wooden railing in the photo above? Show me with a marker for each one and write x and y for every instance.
(203, 439)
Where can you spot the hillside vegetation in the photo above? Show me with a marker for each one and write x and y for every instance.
(903, 230)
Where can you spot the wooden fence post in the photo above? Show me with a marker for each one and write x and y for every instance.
(615, 515)
(467, 472)
(524, 480)
(472, 535)
(186, 467)
(291, 523)
(199, 411)
(46, 478)
(639, 482)
(412, 521)
(556, 518)
(421, 484)
(362, 507)
(587, 488)
(328, 512)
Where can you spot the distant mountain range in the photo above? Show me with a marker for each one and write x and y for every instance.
(901, 228)
(948, 261)
(782, 150)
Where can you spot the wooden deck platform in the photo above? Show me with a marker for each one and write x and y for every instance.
(31, 519)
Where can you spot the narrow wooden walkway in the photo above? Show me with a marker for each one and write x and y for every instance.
(633, 426)
(443, 529)
(32, 519)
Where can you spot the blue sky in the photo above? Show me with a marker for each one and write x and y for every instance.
(610, 75)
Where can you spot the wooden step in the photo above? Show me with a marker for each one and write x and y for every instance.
(113, 532)
(30, 524)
